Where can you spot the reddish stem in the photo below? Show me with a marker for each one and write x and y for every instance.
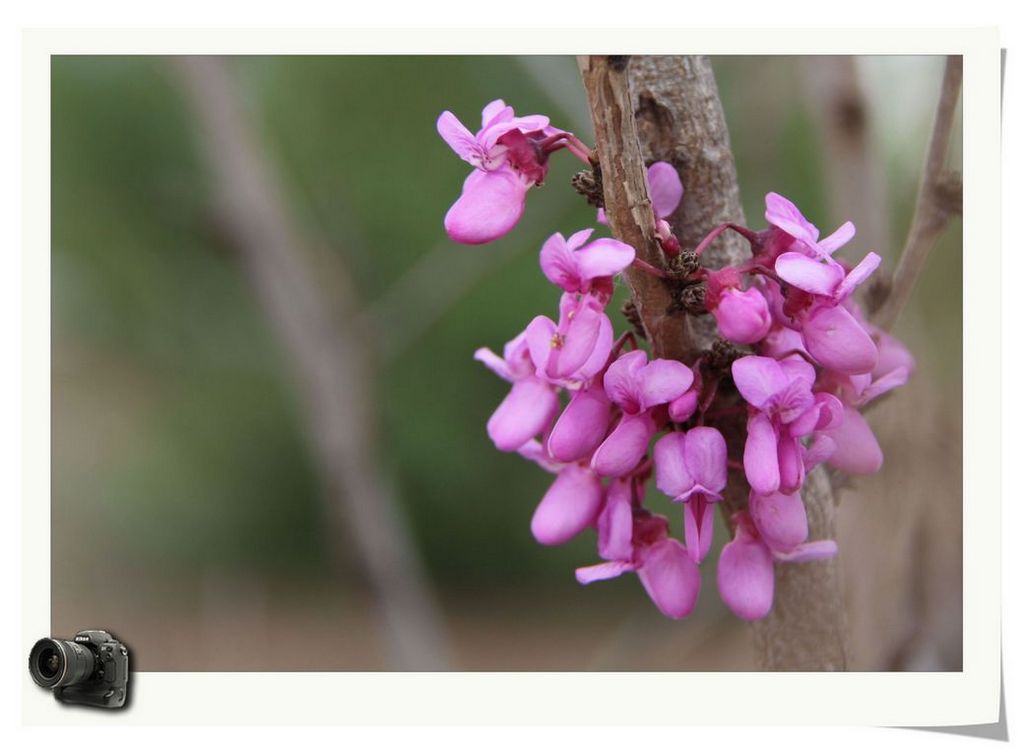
(718, 230)
(627, 337)
(649, 268)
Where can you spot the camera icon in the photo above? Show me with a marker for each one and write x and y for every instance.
(90, 669)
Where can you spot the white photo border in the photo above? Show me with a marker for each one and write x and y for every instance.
(904, 699)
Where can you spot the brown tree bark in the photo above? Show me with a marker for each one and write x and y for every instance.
(650, 108)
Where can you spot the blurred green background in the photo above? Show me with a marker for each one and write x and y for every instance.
(186, 512)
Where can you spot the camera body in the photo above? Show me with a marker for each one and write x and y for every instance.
(91, 669)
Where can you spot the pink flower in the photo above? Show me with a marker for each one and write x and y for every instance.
(490, 206)
(746, 570)
(666, 570)
(576, 267)
(691, 468)
(742, 316)
(484, 151)
(530, 406)
(784, 216)
(505, 167)
(856, 449)
(831, 332)
(785, 410)
(577, 348)
(636, 387)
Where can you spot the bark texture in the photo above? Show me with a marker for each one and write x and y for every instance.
(648, 108)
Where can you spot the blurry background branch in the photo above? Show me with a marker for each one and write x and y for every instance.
(329, 361)
(854, 166)
(939, 197)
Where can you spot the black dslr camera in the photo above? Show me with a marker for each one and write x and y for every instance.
(91, 669)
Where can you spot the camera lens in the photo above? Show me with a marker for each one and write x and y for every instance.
(55, 662)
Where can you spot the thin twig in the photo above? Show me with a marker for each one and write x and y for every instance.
(329, 363)
(939, 197)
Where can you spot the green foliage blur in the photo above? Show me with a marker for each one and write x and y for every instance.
(177, 443)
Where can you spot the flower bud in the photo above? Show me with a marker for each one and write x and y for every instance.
(742, 316)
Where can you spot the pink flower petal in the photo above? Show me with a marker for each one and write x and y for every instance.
(615, 523)
(857, 450)
(577, 239)
(671, 474)
(742, 316)
(706, 458)
(884, 384)
(603, 258)
(490, 206)
(838, 341)
(781, 520)
(796, 368)
(540, 334)
(791, 464)
(526, 412)
(570, 505)
(830, 411)
(813, 276)
(758, 378)
(858, 275)
(671, 578)
(492, 361)
(534, 451)
(602, 350)
(621, 381)
(783, 214)
(746, 578)
(683, 407)
(699, 525)
(602, 571)
(495, 111)
(558, 263)
(582, 426)
(661, 381)
(578, 343)
(820, 450)
(624, 447)
(892, 355)
(761, 454)
(840, 237)
(666, 188)
(821, 549)
(457, 136)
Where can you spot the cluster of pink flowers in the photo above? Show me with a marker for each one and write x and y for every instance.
(809, 363)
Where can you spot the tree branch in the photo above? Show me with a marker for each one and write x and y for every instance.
(939, 196)
(673, 113)
(329, 363)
